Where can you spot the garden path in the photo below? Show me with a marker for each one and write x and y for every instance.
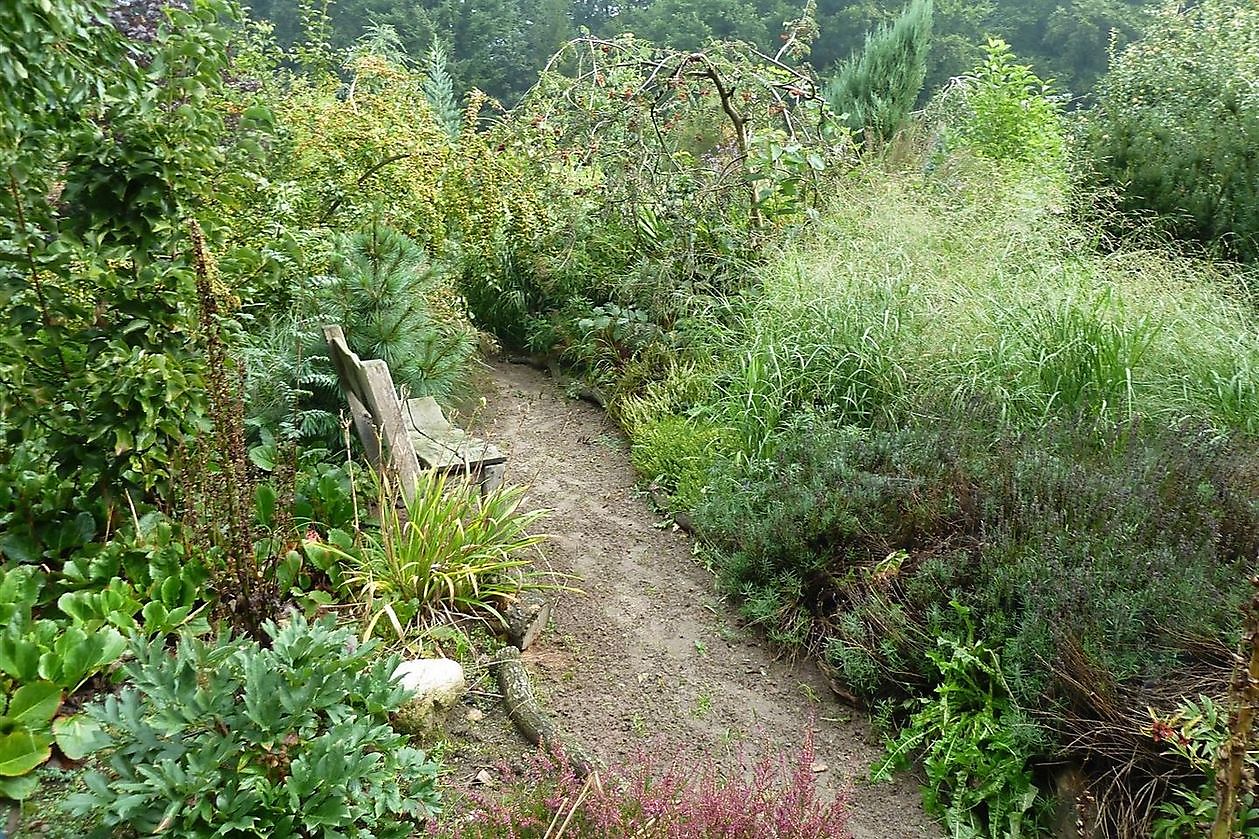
(648, 656)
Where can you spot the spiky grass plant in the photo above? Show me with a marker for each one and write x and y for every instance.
(448, 554)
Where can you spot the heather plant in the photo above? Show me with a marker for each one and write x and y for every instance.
(768, 796)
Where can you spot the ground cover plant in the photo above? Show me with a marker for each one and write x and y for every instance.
(292, 739)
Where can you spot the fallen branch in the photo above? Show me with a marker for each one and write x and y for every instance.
(530, 718)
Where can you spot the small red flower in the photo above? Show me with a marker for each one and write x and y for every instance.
(1161, 731)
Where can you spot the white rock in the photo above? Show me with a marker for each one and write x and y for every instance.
(437, 685)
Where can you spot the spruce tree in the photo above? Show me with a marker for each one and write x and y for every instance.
(877, 88)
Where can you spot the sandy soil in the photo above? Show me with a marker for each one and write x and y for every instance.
(647, 656)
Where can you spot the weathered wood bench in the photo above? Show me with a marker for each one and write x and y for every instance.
(405, 437)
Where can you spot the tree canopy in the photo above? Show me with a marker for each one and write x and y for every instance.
(499, 45)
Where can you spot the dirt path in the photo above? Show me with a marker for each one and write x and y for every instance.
(648, 654)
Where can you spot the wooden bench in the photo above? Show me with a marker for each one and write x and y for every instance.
(404, 437)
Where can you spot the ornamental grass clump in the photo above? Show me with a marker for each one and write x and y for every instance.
(767, 798)
(449, 554)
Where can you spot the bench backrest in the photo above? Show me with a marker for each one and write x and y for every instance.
(376, 411)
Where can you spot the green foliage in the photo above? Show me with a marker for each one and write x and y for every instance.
(1010, 114)
(974, 743)
(945, 399)
(65, 653)
(439, 90)
(903, 302)
(677, 453)
(450, 553)
(1195, 733)
(379, 293)
(287, 740)
(1176, 123)
(878, 88)
(500, 47)
(986, 517)
(291, 387)
(572, 208)
(99, 363)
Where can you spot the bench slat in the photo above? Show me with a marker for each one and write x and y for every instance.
(411, 435)
(442, 445)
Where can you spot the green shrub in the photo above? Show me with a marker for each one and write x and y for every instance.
(288, 740)
(676, 453)
(1032, 532)
(1009, 111)
(878, 88)
(1176, 123)
(1120, 537)
(1044, 547)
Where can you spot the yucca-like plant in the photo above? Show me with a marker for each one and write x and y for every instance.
(450, 554)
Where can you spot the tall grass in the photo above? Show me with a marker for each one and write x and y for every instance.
(910, 302)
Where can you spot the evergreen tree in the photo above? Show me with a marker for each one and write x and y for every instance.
(380, 292)
(878, 87)
(439, 89)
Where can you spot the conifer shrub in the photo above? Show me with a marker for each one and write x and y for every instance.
(1176, 123)
(382, 291)
(877, 88)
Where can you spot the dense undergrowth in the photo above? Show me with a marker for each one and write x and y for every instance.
(935, 421)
